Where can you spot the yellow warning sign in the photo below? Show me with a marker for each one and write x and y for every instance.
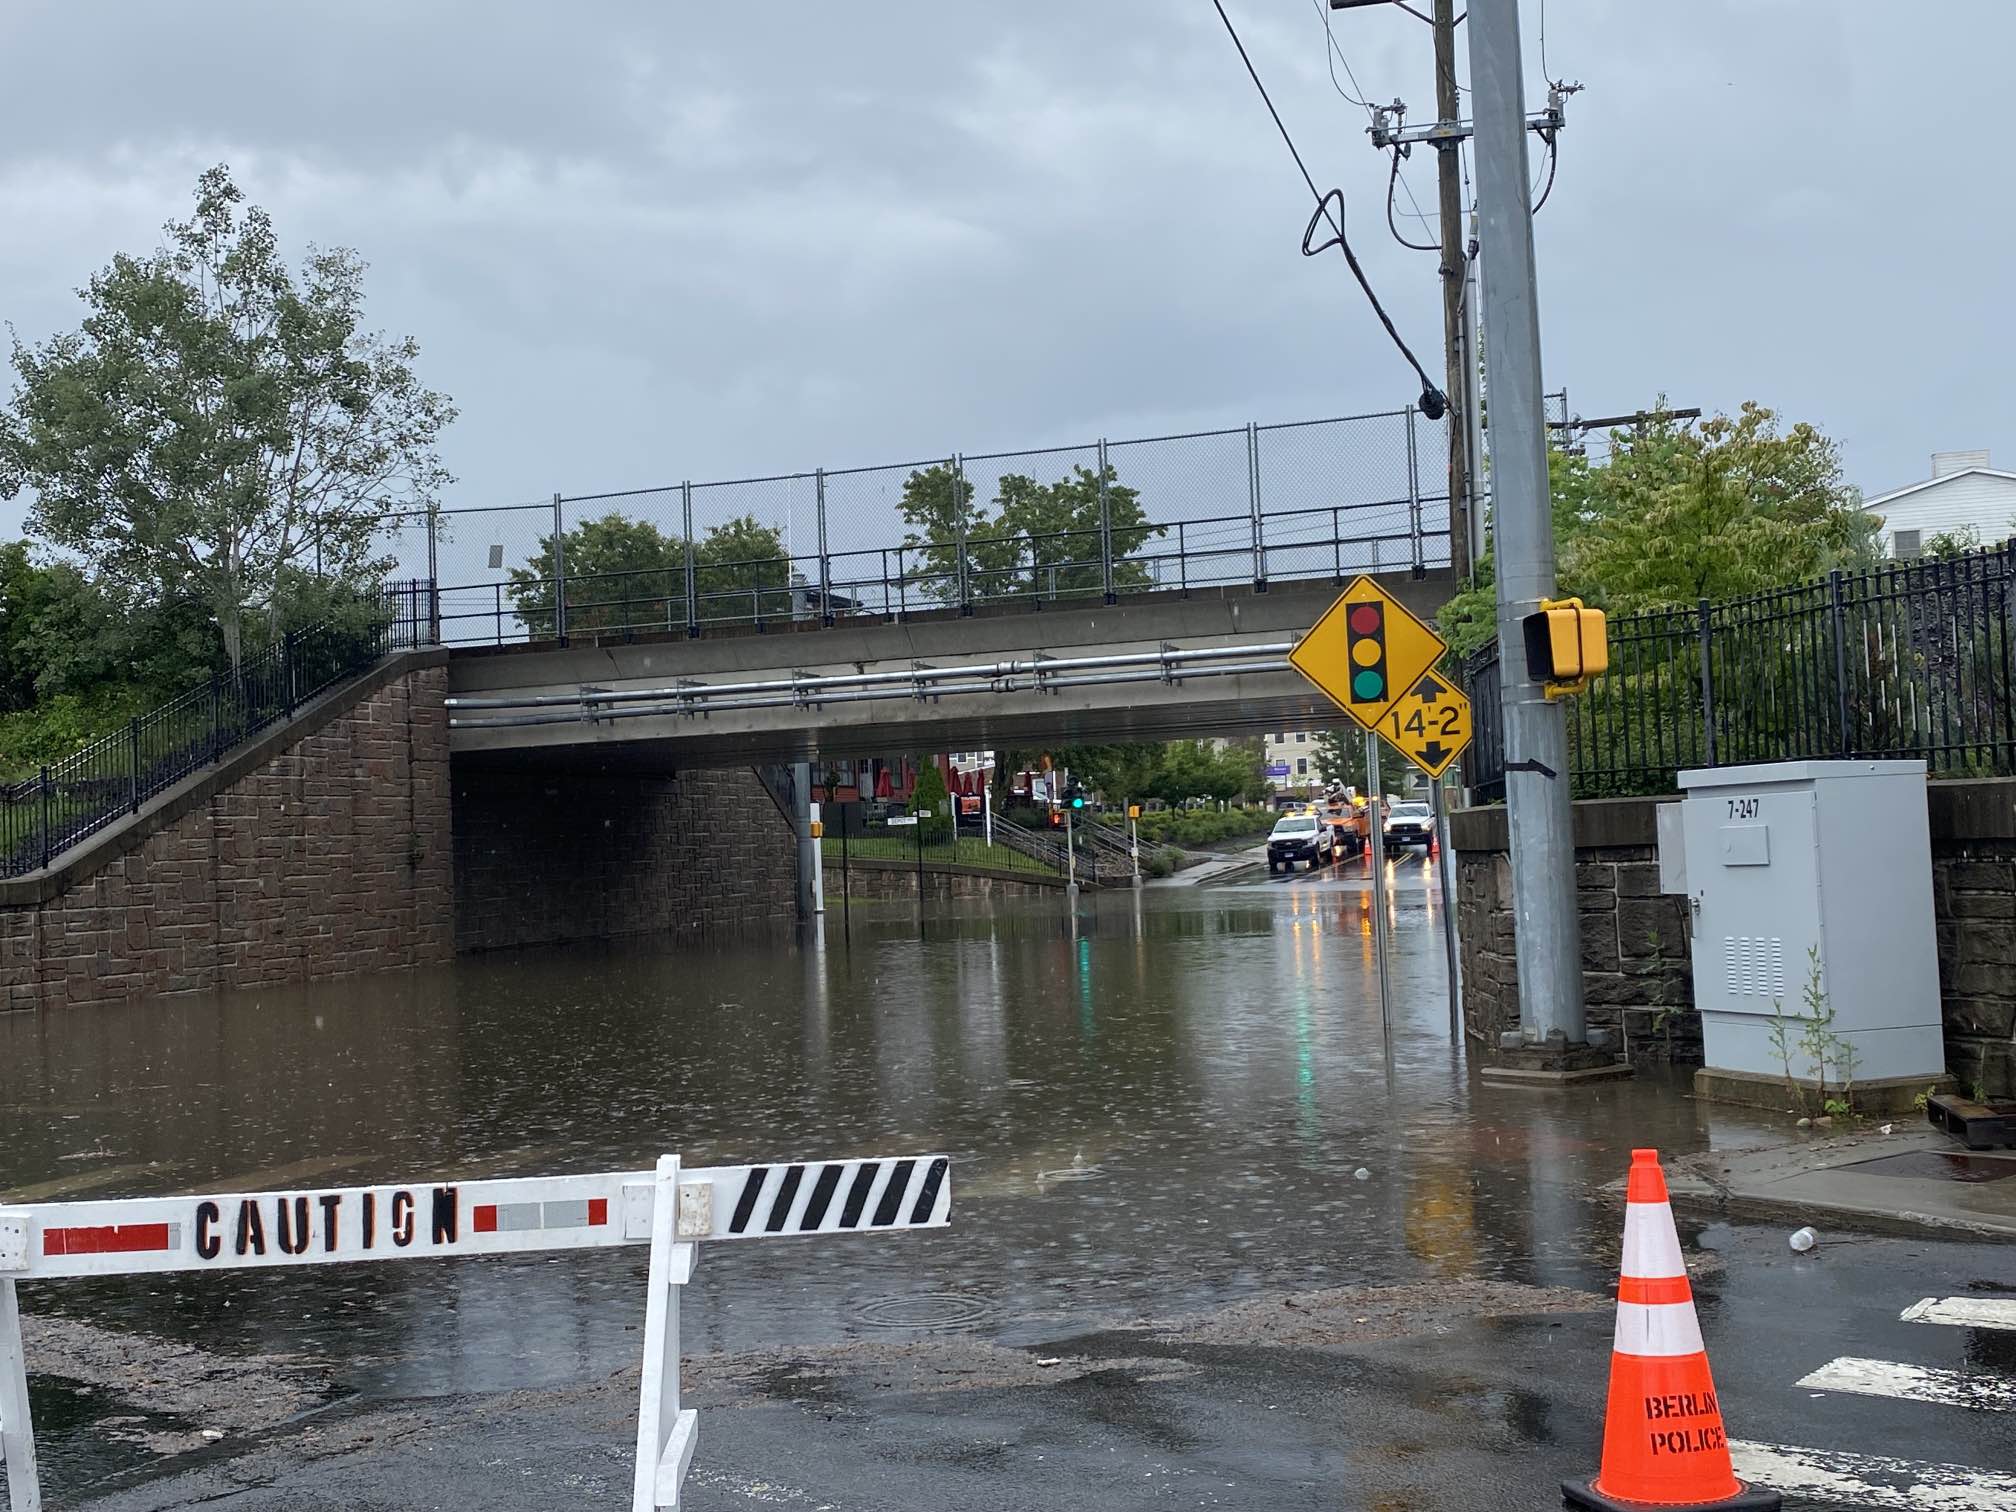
(1430, 726)
(1366, 652)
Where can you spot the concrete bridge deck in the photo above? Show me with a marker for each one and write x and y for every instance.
(1157, 710)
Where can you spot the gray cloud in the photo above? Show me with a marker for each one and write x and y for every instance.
(645, 242)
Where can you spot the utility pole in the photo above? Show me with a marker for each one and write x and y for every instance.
(1552, 1023)
(1449, 110)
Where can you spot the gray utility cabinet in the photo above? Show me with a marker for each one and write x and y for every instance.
(1780, 859)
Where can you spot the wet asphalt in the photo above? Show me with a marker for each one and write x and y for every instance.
(1158, 1111)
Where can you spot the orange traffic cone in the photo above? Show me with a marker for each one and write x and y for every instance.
(1663, 1444)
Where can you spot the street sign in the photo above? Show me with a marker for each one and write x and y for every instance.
(1430, 726)
(895, 820)
(1366, 652)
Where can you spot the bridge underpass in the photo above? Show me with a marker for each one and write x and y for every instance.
(522, 707)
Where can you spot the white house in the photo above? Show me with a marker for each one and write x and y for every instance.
(1964, 494)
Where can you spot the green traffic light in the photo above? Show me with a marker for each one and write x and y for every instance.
(1368, 684)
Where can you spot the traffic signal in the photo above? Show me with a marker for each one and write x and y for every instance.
(1365, 642)
(1076, 798)
(1567, 643)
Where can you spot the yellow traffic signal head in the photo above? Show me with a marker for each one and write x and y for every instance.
(1567, 643)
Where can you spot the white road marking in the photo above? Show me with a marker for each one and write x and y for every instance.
(1964, 1312)
(1871, 1480)
(1913, 1383)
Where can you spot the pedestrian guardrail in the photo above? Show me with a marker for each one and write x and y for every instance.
(1326, 498)
(72, 799)
(672, 1209)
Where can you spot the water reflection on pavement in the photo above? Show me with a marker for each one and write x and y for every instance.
(1158, 1103)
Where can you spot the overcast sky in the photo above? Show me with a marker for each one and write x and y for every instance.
(640, 242)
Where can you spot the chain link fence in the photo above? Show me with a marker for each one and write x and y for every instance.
(1310, 499)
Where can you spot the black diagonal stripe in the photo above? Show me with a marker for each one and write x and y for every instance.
(746, 1203)
(780, 1205)
(857, 1194)
(892, 1195)
(822, 1196)
(928, 1198)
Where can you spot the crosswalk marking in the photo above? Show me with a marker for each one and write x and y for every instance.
(1871, 1480)
(1964, 1312)
(1913, 1383)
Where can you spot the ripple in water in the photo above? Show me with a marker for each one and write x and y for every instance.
(923, 1310)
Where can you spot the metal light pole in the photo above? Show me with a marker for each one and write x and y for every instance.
(1547, 931)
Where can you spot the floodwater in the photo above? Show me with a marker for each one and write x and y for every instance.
(1155, 1102)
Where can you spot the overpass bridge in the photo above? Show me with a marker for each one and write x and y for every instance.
(1152, 666)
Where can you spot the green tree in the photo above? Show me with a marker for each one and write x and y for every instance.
(624, 573)
(1340, 762)
(1728, 507)
(744, 570)
(1042, 538)
(620, 572)
(218, 420)
(929, 800)
(1731, 506)
(1197, 769)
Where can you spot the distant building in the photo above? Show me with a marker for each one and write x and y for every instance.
(1290, 761)
(1963, 495)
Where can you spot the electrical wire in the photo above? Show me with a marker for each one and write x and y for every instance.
(1545, 74)
(1391, 180)
(1553, 157)
(1334, 55)
(1434, 403)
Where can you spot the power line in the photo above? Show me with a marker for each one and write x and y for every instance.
(1391, 180)
(1434, 404)
(1553, 157)
(1334, 55)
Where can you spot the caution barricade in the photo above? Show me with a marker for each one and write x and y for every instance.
(1663, 1440)
(670, 1209)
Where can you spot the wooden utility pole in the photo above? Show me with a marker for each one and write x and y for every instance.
(1448, 110)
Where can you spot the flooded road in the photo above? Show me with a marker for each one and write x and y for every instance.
(1159, 1103)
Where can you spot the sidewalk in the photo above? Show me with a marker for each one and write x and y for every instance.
(1910, 1180)
(1215, 870)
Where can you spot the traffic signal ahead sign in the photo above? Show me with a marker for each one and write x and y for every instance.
(1367, 652)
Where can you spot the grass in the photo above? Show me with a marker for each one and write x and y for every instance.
(964, 852)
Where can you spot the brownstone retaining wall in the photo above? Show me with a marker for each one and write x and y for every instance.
(320, 849)
(1635, 967)
(1637, 971)
(543, 858)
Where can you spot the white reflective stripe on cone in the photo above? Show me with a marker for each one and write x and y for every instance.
(1651, 1245)
(1657, 1329)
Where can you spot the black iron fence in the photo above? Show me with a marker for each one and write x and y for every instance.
(111, 777)
(1911, 660)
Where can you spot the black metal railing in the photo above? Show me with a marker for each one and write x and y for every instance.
(69, 800)
(1907, 660)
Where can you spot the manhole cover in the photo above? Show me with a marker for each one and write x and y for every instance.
(1940, 1166)
(926, 1310)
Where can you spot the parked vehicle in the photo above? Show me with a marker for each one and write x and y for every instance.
(1304, 837)
(1409, 824)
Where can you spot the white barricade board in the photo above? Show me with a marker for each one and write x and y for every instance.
(668, 1208)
